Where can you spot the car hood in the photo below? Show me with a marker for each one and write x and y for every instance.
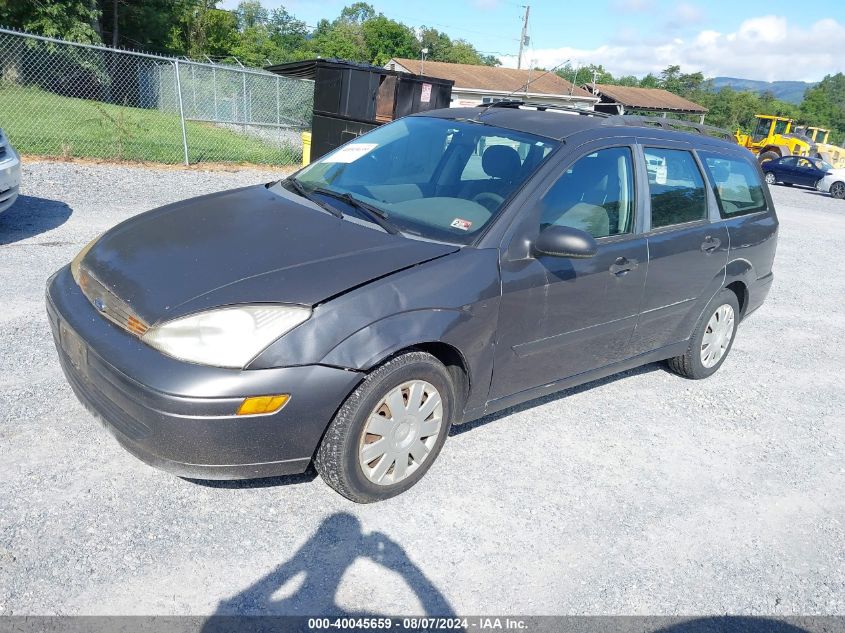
(255, 244)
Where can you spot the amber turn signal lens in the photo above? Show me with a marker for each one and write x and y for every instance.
(263, 404)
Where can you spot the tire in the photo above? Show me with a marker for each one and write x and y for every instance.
(692, 363)
(339, 458)
(770, 178)
(837, 190)
(765, 157)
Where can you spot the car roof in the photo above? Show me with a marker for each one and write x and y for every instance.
(560, 124)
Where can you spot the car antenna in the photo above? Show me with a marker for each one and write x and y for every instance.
(520, 89)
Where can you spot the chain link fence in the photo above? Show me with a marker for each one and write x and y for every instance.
(59, 98)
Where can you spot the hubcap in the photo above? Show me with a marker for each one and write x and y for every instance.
(770, 178)
(717, 335)
(400, 432)
(837, 190)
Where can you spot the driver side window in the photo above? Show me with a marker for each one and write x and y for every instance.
(596, 195)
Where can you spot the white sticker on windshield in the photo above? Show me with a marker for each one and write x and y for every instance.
(351, 153)
(458, 223)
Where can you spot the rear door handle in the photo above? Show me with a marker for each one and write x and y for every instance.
(622, 266)
(710, 244)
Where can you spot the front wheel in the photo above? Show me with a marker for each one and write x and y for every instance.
(765, 157)
(389, 430)
(837, 190)
(712, 339)
(770, 178)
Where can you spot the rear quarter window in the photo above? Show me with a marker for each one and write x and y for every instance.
(735, 183)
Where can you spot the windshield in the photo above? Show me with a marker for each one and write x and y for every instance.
(435, 178)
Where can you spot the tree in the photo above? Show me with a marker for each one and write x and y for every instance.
(824, 106)
(339, 40)
(357, 13)
(439, 44)
(75, 20)
(385, 38)
(212, 34)
(649, 81)
(251, 14)
(462, 52)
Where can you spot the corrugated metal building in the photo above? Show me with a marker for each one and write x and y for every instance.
(628, 100)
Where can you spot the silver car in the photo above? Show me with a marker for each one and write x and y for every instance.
(10, 173)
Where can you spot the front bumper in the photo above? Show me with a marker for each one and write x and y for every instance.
(10, 178)
(179, 416)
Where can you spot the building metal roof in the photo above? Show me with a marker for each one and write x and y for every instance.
(653, 99)
(496, 79)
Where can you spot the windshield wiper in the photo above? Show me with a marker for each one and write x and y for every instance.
(372, 212)
(298, 188)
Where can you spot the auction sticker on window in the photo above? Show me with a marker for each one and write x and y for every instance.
(351, 153)
(458, 223)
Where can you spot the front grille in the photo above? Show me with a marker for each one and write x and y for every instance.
(101, 405)
(110, 305)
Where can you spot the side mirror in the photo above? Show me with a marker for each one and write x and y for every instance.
(565, 241)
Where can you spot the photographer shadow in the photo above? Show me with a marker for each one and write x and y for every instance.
(314, 574)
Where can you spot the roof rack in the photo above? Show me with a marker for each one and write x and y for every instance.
(516, 104)
(669, 124)
(620, 119)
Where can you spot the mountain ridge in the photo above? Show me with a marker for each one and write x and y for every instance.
(790, 91)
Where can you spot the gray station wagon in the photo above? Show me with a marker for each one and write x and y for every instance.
(440, 268)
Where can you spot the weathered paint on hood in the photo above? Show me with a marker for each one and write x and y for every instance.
(245, 245)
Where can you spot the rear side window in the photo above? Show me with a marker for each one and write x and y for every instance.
(676, 187)
(736, 184)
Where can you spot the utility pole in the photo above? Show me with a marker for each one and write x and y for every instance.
(523, 38)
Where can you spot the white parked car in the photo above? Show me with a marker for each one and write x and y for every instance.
(10, 173)
(833, 183)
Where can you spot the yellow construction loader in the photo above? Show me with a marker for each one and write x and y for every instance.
(772, 138)
(833, 154)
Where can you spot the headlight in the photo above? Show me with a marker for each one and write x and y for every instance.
(226, 337)
(74, 265)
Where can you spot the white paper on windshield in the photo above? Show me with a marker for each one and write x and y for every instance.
(351, 153)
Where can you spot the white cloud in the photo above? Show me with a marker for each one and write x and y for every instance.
(766, 48)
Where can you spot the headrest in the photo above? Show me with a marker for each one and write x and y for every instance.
(500, 161)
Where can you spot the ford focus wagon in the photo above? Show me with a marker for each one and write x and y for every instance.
(440, 268)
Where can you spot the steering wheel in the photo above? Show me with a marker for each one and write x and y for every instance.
(488, 200)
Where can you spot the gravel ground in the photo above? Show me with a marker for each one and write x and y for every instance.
(640, 494)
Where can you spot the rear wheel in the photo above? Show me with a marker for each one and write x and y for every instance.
(770, 178)
(390, 429)
(712, 340)
(765, 157)
(837, 190)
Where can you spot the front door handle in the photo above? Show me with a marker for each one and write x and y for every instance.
(710, 244)
(622, 266)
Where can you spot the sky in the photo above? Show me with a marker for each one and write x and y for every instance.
(766, 40)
